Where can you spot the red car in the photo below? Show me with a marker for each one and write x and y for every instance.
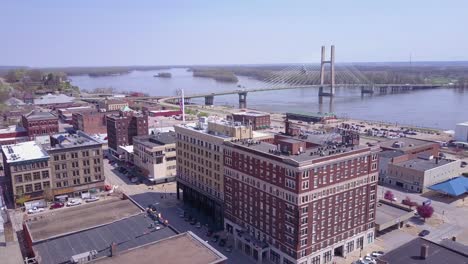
(56, 205)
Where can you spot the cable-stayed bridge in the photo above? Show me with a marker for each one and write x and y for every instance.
(326, 77)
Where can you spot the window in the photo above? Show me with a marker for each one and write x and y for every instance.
(27, 177)
(305, 185)
(37, 186)
(46, 184)
(327, 256)
(63, 157)
(29, 188)
(36, 175)
(19, 178)
(45, 174)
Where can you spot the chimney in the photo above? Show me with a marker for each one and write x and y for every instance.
(113, 249)
(424, 251)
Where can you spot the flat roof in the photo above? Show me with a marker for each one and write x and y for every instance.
(24, 151)
(391, 153)
(74, 219)
(423, 164)
(309, 114)
(251, 113)
(182, 248)
(409, 253)
(308, 154)
(127, 233)
(158, 139)
(71, 141)
(409, 143)
(386, 213)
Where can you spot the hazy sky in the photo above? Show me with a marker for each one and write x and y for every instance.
(153, 32)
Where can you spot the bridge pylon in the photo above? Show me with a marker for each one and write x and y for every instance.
(324, 62)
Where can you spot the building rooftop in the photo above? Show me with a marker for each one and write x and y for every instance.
(454, 187)
(24, 151)
(127, 233)
(181, 248)
(158, 139)
(12, 129)
(410, 253)
(53, 99)
(311, 154)
(39, 115)
(405, 144)
(75, 219)
(308, 114)
(387, 212)
(65, 141)
(251, 113)
(420, 164)
(391, 153)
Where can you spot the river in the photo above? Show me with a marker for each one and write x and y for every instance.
(437, 108)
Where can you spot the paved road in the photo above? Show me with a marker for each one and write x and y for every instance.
(164, 197)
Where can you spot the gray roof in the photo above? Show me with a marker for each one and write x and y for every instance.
(387, 213)
(39, 115)
(307, 155)
(391, 153)
(459, 247)
(409, 143)
(423, 164)
(53, 99)
(127, 233)
(409, 253)
(67, 141)
(158, 139)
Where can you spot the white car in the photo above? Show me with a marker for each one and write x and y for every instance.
(377, 254)
(35, 210)
(92, 199)
(73, 202)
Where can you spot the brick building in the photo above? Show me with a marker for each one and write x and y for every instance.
(289, 203)
(91, 122)
(200, 162)
(257, 120)
(122, 127)
(76, 165)
(38, 123)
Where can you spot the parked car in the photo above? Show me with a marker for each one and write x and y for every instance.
(134, 180)
(215, 238)
(377, 254)
(157, 227)
(194, 221)
(73, 202)
(56, 205)
(35, 210)
(198, 225)
(209, 233)
(424, 233)
(92, 199)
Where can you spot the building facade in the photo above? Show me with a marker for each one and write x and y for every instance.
(257, 120)
(91, 122)
(155, 156)
(200, 163)
(111, 105)
(27, 169)
(39, 123)
(290, 204)
(416, 175)
(76, 165)
(122, 127)
(461, 132)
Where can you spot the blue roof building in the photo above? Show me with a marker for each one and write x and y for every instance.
(453, 187)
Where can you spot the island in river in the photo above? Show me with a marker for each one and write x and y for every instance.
(163, 75)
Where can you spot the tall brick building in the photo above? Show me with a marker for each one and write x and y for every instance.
(293, 202)
(91, 122)
(38, 123)
(257, 120)
(122, 127)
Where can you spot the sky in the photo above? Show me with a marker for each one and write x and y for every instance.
(45, 33)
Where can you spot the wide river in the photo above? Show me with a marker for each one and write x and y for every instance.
(437, 108)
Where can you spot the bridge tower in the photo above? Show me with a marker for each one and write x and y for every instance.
(323, 62)
(242, 100)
